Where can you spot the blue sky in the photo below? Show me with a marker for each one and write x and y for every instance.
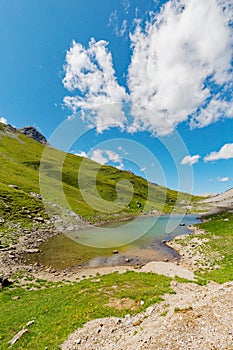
(159, 75)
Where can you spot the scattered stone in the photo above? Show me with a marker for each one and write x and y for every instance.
(32, 250)
(115, 252)
(14, 186)
(149, 310)
(18, 336)
(39, 219)
(16, 297)
(37, 195)
(136, 323)
(96, 280)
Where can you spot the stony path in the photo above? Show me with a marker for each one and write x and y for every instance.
(194, 318)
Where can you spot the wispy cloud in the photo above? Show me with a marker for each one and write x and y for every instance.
(180, 70)
(113, 19)
(3, 120)
(223, 179)
(225, 152)
(190, 160)
(123, 28)
(126, 5)
(118, 28)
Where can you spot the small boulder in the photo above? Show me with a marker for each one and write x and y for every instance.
(14, 186)
(4, 282)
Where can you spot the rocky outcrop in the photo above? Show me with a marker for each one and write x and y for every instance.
(33, 133)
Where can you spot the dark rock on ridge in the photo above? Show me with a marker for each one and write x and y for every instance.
(34, 134)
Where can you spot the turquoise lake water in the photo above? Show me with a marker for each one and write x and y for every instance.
(137, 241)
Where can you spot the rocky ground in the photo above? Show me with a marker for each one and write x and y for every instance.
(12, 257)
(194, 318)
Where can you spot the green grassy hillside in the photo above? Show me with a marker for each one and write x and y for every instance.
(20, 160)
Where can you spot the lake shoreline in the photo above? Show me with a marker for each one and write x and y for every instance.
(12, 259)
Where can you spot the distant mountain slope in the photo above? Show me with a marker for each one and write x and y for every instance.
(20, 158)
(224, 199)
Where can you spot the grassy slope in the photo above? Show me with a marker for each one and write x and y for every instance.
(214, 251)
(20, 163)
(58, 311)
(219, 248)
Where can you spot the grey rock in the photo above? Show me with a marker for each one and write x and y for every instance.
(37, 195)
(33, 133)
(32, 250)
(14, 186)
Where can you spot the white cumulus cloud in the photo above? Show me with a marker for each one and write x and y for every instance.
(189, 42)
(98, 156)
(223, 179)
(225, 152)
(180, 70)
(190, 160)
(3, 120)
(90, 72)
(82, 154)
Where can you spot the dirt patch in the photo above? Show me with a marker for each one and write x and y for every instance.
(124, 303)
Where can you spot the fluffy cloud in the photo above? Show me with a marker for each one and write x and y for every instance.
(103, 156)
(90, 72)
(226, 152)
(98, 156)
(82, 154)
(223, 179)
(181, 69)
(177, 60)
(190, 160)
(3, 120)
